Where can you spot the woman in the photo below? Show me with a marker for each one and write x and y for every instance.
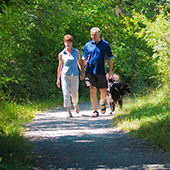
(69, 61)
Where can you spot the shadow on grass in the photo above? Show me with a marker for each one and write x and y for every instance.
(157, 133)
(154, 123)
(14, 152)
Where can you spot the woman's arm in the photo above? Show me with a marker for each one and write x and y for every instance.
(81, 66)
(60, 65)
(79, 60)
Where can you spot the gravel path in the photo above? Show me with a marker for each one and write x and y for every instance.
(83, 142)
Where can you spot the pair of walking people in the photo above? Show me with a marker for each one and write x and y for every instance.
(93, 60)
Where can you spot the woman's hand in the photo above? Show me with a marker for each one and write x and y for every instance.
(81, 75)
(58, 83)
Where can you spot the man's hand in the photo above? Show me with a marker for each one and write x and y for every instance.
(110, 75)
(82, 75)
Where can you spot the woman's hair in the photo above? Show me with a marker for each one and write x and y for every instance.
(68, 37)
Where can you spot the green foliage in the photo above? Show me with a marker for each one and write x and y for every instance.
(14, 153)
(13, 115)
(13, 146)
(149, 8)
(148, 118)
(157, 35)
(31, 36)
(132, 56)
(30, 50)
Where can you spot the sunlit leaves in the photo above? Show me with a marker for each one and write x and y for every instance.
(157, 34)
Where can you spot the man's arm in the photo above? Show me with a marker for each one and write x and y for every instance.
(110, 62)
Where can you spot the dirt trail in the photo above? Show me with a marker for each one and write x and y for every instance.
(83, 142)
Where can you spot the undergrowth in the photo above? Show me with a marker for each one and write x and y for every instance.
(147, 117)
(14, 148)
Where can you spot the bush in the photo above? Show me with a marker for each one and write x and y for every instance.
(31, 36)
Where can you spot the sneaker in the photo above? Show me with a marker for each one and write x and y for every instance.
(95, 114)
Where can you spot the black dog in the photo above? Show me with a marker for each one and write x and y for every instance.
(116, 92)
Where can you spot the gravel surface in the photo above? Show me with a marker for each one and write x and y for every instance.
(83, 142)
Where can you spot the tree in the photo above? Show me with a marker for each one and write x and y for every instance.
(157, 35)
(31, 36)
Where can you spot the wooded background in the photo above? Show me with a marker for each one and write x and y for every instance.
(31, 36)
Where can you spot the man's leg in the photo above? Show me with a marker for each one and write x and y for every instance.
(90, 81)
(93, 97)
(103, 95)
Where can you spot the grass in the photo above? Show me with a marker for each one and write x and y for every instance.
(14, 148)
(148, 118)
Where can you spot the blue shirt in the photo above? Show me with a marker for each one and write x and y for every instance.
(69, 63)
(96, 55)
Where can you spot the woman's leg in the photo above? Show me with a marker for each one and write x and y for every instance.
(66, 91)
(74, 86)
(69, 112)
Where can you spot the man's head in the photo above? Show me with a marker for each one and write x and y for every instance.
(95, 34)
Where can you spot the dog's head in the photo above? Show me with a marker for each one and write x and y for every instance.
(125, 89)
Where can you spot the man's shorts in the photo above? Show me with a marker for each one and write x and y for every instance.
(97, 80)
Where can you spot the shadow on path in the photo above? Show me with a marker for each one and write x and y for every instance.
(83, 142)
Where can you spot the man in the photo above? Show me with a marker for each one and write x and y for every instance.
(94, 56)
